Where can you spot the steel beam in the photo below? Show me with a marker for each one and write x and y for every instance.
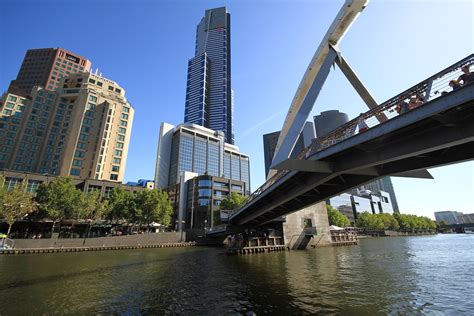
(417, 174)
(294, 130)
(357, 83)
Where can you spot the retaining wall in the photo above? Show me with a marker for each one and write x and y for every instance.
(128, 240)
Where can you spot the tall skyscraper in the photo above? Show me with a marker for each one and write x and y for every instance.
(45, 67)
(208, 90)
(82, 129)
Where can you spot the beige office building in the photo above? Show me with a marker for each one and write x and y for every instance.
(82, 129)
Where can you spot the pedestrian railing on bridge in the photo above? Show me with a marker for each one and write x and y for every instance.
(421, 93)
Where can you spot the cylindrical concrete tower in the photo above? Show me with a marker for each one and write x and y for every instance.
(328, 121)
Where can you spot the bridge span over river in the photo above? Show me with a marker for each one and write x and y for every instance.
(430, 124)
(436, 132)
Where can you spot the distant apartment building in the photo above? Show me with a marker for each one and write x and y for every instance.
(270, 141)
(45, 67)
(351, 205)
(209, 99)
(83, 129)
(194, 148)
(449, 217)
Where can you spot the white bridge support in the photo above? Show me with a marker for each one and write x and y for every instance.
(314, 78)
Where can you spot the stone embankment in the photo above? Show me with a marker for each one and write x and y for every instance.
(81, 249)
(141, 241)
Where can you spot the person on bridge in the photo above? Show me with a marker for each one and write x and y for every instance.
(414, 103)
(402, 106)
(467, 76)
(361, 124)
(454, 84)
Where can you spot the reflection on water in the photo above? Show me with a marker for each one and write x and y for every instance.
(413, 275)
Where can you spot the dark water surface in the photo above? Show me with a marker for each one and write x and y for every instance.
(411, 275)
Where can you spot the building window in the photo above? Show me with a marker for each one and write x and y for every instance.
(83, 137)
(115, 168)
(124, 116)
(75, 172)
(121, 137)
(117, 160)
(125, 109)
(77, 163)
(236, 187)
(92, 98)
(118, 153)
(123, 123)
(204, 202)
(205, 183)
(79, 154)
(122, 130)
(111, 88)
(204, 192)
(113, 176)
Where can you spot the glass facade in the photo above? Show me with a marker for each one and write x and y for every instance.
(235, 167)
(227, 165)
(200, 153)
(204, 154)
(185, 153)
(213, 158)
(208, 88)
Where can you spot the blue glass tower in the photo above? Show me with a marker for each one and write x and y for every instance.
(208, 88)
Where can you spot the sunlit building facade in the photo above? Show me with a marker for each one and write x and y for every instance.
(209, 99)
(193, 148)
(81, 130)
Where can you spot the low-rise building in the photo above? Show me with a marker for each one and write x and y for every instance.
(199, 205)
(33, 181)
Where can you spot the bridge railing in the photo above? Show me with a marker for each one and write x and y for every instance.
(421, 93)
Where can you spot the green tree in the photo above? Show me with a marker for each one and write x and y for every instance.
(337, 218)
(233, 201)
(15, 204)
(153, 206)
(370, 221)
(389, 222)
(58, 200)
(92, 208)
(120, 201)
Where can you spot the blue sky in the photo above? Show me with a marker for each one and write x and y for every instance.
(144, 45)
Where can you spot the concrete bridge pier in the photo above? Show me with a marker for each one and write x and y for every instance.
(308, 227)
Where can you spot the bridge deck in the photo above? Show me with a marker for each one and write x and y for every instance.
(438, 132)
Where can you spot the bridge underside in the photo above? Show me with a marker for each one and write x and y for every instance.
(439, 133)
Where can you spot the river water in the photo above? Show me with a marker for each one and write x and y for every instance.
(404, 275)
